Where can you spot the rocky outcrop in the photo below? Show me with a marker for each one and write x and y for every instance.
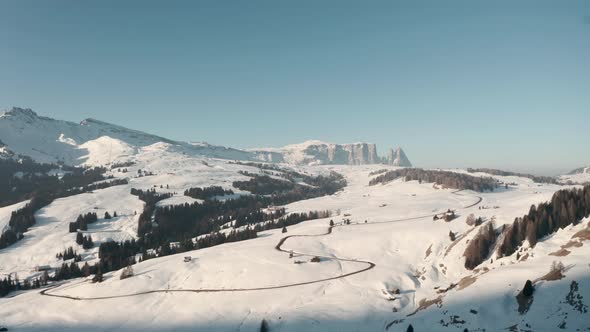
(321, 153)
(397, 157)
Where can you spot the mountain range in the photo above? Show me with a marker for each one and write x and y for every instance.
(94, 142)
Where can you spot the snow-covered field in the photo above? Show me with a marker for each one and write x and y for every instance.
(219, 290)
(576, 178)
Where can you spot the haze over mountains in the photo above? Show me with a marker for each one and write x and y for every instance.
(91, 141)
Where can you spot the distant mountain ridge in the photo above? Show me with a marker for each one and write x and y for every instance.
(95, 142)
(322, 153)
(580, 170)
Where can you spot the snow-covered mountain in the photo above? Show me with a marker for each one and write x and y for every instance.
(94, 142)
(580, 170)
(90, 142)
(322, 153)
(579, 175)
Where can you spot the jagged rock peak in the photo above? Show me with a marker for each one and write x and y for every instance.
(398, 157)
(322, 153)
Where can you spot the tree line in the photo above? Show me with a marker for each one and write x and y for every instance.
(284, 192)
(68, 254)
(535, 178)
(567, 207)
(192, 220)
(82, 222)
(377, 172)
(444, 178)
(207, 192)
(22, 219)
(41, 189)
(481, 246)
(330, 184)
(116, 255)
(73, 270)
(8, 284)
(150, 197)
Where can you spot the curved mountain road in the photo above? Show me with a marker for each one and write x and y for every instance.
(369, 265)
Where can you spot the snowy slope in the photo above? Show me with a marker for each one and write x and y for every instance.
(6, 212)
(409, 250)
(579, 175)
(91, 142)
(580, 170)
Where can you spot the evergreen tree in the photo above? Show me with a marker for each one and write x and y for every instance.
(85, 270)
(79, 238)
(98, 276)
(87, 242)
(528, 289)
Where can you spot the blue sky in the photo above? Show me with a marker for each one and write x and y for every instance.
(502, 84)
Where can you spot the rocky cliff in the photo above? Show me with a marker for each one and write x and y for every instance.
(322, 153)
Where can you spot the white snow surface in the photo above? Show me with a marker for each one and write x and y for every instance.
(579, 178)
(398, 235)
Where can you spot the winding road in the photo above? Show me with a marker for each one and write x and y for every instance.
(369, 265)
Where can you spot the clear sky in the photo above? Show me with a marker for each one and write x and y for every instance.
(502, 84)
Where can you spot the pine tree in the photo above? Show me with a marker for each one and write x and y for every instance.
(85, 270)
(284, 229)
(98, 276)
(79, 238)
(528, 289)
(87, 242)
